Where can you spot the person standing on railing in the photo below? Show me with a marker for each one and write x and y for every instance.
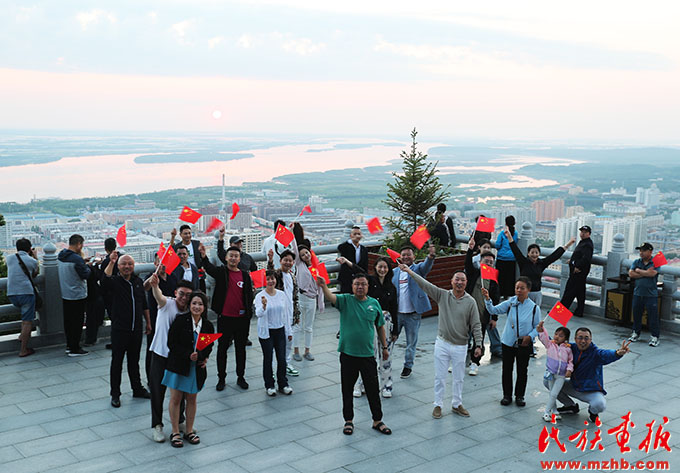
(73, 274)
(532, 266)
(21, 269)
(353, 260)
(579, 267)
(505, 260)
(645, 294)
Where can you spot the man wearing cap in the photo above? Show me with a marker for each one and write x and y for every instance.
(579, 267)
(645, 294)
(247, 262)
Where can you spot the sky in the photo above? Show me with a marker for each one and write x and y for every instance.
(571, 72)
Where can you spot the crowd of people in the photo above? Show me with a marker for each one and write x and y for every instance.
(171, 310)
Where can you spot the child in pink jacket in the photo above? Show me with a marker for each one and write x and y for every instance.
(558, 366)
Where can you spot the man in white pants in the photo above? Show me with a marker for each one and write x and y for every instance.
(458, 316)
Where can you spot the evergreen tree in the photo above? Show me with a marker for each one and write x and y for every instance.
(414, 192)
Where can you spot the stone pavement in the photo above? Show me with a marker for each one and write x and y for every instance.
(55, 415)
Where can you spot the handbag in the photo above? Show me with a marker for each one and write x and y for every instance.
(38, 299)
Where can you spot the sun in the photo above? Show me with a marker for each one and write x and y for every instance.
(217, 114)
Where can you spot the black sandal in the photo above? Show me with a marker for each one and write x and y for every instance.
(382, 428)
(192, 438)
(176, 440)
(349, 428)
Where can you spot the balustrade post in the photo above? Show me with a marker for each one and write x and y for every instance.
(613, 267)
(51, 314)
(670, 285)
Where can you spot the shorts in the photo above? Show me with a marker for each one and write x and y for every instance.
(26, 303)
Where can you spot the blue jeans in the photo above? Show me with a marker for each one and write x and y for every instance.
(495, 341)
(26, 303)
(650, 302)
(595, 399)
(411, 324)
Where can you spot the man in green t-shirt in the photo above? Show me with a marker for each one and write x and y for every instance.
(360, 316)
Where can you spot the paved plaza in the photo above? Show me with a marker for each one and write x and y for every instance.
(55, 415)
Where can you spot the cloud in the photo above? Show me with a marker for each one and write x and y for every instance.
(245, 41)
(93, 17)
(181, 29)
(213, 42)
(300, 46)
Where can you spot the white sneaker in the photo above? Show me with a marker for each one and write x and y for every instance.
(654, 342)
(386, 393)
(271, 392)
(287, 390)
(158, 435)
(356, 392)
(291, 371)
(634, 337)
(473, 369)
(450, 369)
(548, 417)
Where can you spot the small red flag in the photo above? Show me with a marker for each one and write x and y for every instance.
(307, 209)
(486, 224)
(168, 258)
(560, 313)
(121, 237)
(393, 254)
(374, 225)
(215, 223)
(320, 271)
(259, 278)
(315, 259)
(489, 273)
(205, 339)
(189, 215)
(283, 235)
(659, 260)
(420, 236)
(234, 210)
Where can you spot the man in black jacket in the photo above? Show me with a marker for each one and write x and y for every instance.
(186, 269)
(353, 259)
(232, 301)
(579, 267)
(191, 246)
(448, 223)
(128, 310)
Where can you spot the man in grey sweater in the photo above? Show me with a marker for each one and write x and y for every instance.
(458, 316)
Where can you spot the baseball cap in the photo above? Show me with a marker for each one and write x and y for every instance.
(645, 246)
(234, 239)
(586, 228)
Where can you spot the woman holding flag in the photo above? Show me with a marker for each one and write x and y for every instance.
(185, 371)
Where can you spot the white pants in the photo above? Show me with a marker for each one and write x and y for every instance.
(445, 355)
(307, 313)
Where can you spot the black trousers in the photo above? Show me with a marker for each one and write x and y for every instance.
(471, 348)
(506, 277)
(124, 344)
(350, 368)
(276, 343)
(74, 315)
(511, 355)
(95, 318)
(232, 329)
(575, 289)
(157, 389)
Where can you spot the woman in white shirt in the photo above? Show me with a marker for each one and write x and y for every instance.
(273, 310)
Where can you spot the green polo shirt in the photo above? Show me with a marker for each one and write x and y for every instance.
(358, 320)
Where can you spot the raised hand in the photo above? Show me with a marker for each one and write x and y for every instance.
(471, 243)
(539, 327)
(201, 250)
(508, 235)
(625, 348)
(153, 280)
(485, 293)
(270, 255)
(113, 257)
(432, 250)
(173, 233)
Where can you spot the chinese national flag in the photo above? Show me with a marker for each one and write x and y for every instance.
(320, 271)
(315, 259)
(234, 210)
(659, 260)
(259, 278)
(283, 235)
(215, 223)
(489, 273)
(121, 237)
(374, 225)
(189, 215)
(486, 224)
(205, 339)
(420, 236)
(168, 258)
(393, 254)
(560, 313)
(307, 209)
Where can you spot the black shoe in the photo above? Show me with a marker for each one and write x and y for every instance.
(506, 401)
(241, 382)
(337, 335)
(108, 346)
(221, 384)
(115, 401)
(249, 343)
(520, 401)
(78, 352)
(593, 417)
(405, 373)
(142, 393)
(568, 409)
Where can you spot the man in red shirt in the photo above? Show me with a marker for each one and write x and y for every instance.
(232, 301)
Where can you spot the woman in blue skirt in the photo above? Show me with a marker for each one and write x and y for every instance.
(185, 371)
